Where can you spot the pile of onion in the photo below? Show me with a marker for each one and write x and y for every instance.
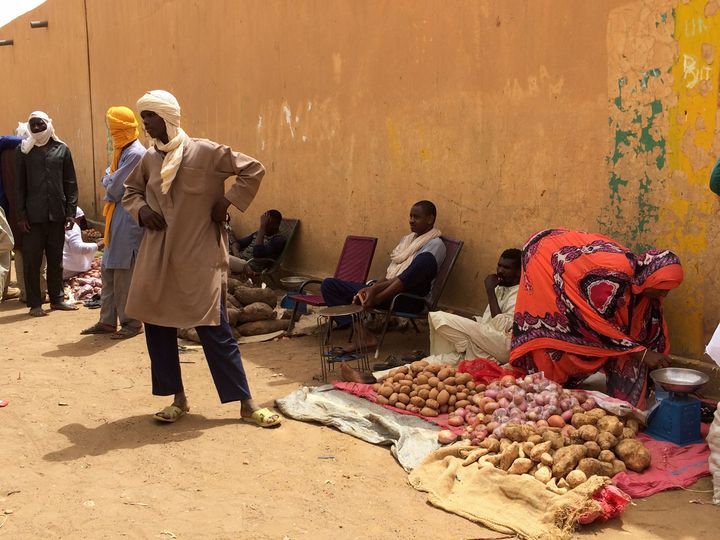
(531, 400)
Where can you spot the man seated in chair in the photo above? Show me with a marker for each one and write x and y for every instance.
(266, 243)
(454, 338)
(413, 266)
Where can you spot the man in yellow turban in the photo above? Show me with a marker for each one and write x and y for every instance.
(122, 234)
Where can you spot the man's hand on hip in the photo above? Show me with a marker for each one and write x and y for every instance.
(219, 210)
(151, 219)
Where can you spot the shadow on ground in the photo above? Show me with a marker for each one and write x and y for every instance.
(132, 432)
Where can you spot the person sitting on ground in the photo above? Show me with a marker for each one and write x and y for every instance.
(413, 266)
(266, 243)
(78, 255)
(454, 338)
(587, 303)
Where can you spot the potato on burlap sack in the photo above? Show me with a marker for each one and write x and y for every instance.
(257, 311)
(249, 295)
(502, 501)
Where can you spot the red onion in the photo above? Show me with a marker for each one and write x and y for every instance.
(460, 412)
(567, 415)
(491, 394)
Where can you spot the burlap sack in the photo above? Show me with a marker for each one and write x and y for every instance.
(504, 502)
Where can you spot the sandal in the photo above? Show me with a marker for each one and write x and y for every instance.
(170, 414)
(98, 328)
(263, 418)
(126, 332)
(414, 357)
(37, 312)
(390, 362)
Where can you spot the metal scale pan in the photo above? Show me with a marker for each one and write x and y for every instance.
(677, 417)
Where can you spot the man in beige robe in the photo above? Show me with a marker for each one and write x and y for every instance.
(454, 338)
(177, 194)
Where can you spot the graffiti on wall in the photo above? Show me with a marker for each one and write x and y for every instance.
(663, 83)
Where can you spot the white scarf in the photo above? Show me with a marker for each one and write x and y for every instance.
(166, 107)
(36, 139)
(404, 253)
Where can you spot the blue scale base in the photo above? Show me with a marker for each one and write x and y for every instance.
(676, 420)
(289, 303)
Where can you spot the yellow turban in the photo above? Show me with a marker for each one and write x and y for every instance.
(123, 128)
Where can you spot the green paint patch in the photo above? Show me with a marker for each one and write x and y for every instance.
(630, 213)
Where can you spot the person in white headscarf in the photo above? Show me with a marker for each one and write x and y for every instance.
(46, 202)
(177, 194)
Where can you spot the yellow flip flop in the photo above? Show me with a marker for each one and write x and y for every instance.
(170, 414)
(263, 418)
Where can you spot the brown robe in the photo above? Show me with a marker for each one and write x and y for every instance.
(179, 272)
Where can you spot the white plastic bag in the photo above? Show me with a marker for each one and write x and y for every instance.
(713, 440)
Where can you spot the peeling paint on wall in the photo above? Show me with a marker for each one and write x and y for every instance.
(663, 106)
(640, 83)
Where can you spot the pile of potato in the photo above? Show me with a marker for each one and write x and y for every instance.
(427, 389)
(595, 443)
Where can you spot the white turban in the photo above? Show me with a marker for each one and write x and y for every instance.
(36, 139)
(166, 107)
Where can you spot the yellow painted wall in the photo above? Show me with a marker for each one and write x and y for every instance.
(505, 113)
(47, 69)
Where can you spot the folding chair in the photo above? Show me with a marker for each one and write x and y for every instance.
(452, 250)
(353, 265)
(271, 268)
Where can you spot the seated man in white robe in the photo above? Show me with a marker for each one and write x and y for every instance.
(458, 338)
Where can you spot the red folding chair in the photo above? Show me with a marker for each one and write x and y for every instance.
(353, 265)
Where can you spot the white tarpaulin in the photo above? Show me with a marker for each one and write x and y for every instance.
(410, 438)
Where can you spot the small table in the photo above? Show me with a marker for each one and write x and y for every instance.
(328, 353)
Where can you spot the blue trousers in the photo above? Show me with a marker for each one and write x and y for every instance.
(221, 351)
(337, 292)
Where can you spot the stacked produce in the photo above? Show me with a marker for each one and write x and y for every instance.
(529, 425)
(91, 235)
(427, 389)
(593, 444)
(532, 400)
(87, 284)
(250, 311)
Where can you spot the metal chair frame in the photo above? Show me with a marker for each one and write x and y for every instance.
(453, 248)
(298, 297)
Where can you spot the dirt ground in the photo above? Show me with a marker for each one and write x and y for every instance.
(83, 458)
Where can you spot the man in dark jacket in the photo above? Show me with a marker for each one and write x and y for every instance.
(46, 197)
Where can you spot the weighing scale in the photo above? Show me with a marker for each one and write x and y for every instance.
(676, 418)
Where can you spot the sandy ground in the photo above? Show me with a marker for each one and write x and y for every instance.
(83, 459)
